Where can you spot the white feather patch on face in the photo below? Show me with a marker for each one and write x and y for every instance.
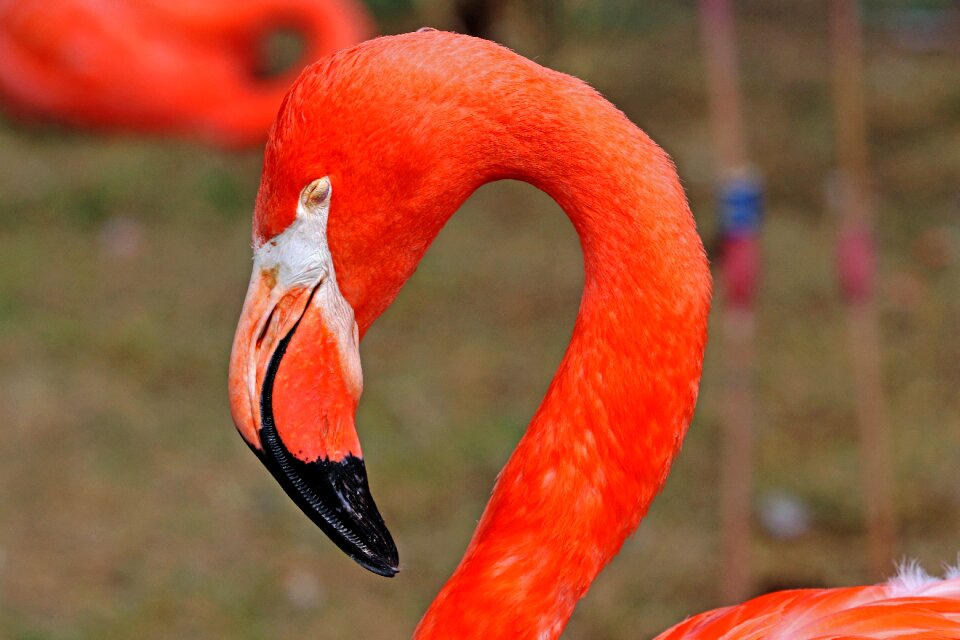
(300, 257)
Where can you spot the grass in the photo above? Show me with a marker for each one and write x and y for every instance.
(130, 508)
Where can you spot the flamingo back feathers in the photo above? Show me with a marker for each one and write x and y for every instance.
(911, 606)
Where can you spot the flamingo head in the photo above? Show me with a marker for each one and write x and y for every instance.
(357, 181)
(295, 381)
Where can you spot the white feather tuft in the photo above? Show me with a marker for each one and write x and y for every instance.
(952, 572)
(912, 580)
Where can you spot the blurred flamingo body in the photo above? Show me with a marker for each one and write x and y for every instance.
(158, 66)
(374, 149)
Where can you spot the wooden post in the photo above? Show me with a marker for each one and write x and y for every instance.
(740, 213)
(716, 27)
(856, 264)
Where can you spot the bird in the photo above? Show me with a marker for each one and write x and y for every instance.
(374, 149)
(160, 67)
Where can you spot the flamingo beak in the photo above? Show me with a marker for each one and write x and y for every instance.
(295, 382)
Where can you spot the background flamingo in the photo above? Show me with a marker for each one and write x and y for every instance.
(162, 67)
(342, 219)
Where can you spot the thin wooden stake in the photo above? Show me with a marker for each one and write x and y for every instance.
(856, 266)
(736, 581)
(740, 214)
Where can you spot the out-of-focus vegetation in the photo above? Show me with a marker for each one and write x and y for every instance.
(129, 508)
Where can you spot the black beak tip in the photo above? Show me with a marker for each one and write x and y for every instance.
(363, 535)
(381, 567)
(335, 496)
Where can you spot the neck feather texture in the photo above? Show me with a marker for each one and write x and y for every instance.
(600, 445)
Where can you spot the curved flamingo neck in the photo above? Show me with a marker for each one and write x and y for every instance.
(600, 445)
(407, 127)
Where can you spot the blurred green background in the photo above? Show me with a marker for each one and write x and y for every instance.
(130, 508)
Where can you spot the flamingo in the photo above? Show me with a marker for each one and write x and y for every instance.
(161, 67)
(375, 147)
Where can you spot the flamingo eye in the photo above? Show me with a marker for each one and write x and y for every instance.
(315, 197)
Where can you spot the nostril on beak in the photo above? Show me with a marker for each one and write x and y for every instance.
(266, 327)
